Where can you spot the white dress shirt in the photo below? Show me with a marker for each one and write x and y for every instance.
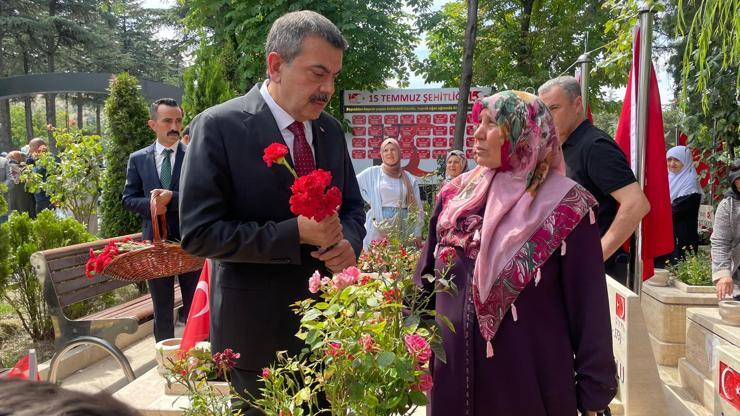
(284, 120)
(159, 157)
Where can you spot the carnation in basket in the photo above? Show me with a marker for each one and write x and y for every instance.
(99, 259)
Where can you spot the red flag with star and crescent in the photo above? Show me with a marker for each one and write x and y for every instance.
(197, 327)
(22, 369)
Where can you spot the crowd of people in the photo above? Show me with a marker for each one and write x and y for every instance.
(16, 195)
(535, 224)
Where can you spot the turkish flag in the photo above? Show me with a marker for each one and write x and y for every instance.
(197, 327)
(657, 225)
(22, 369)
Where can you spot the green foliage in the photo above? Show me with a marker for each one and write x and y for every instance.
(519, 44)
(205, 82)
(19, 287)
(127, 131)
(3, 201)
(72, 177)
(695, 269)
(18, 132)
(380, 34)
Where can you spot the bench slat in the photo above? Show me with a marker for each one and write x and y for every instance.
(82, 282)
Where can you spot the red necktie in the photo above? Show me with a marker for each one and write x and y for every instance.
(302, 155)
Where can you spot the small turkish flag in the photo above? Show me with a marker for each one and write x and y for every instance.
(23, 367)
(619, 306)
(197, 327)
(729, 385)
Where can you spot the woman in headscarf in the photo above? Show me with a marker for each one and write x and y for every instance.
(683, 184)
(391, 192)
(531, 315)
(726, 239)
(455, 165)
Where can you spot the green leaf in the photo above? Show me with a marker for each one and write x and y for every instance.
(418, 398)
(385, 358)
(311, 315)
(439, 351)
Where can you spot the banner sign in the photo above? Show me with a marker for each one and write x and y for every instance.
(422, 120)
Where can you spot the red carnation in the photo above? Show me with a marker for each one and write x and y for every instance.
(275, 153)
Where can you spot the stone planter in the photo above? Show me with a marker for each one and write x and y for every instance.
(166, 352)
(664, 309)
(692, 288)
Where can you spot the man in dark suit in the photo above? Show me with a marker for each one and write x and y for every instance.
(235, 210)
(154, 172)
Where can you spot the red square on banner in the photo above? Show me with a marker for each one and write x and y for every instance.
(375, 119)
(452, 130)
(440, 118)
(358, 131)
(390, 119)
(375, 130)
(359, 142)
(391, 131)
(359, 154)
(469, 118)
(373, 154)
(407, 119)
(359, 119)
(423, 119)
(453, 117)
(406, 153)
(423, 142)
(470, 153)
(437, 153)
(424, 154)
(619, 306)
(470, 141)
(374, 141)
(407, 142)
(424, 130)
(440, 130)
(440, 142)
(408, 131)
(469, 129)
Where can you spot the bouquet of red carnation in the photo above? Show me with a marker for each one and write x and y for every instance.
(99, 259)
(311, 198)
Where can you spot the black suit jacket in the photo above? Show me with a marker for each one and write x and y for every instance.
(141, 178)
(235, 210)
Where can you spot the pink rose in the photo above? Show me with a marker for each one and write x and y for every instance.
(419, 347)
(265, 372)
(425, 382)
(314, 282)
(347, 277)
(447, 254)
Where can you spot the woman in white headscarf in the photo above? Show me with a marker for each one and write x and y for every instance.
(685, 200)
(391, 193)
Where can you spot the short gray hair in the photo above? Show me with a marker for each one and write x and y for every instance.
(288, 32)
(569, 84)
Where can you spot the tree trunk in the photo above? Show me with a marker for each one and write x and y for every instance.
(466, 76)
(97, 118)
(51, 108)
(5, 144)
(522, 52)
(51, 119)
(80, 121)
(29, 118)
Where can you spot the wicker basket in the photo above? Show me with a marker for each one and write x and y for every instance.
(161, 259)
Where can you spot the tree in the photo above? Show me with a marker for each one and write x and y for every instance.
(466, 76)
(520, 44)
(205, 82)
(381, 36)
(127, 131)
(72, 177)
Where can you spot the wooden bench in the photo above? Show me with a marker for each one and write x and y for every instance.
(61, 271)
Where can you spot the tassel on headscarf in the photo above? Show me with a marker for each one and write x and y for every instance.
(513, 313)
(591, 215)
(537, 277)
(563, 248)
(489, 349)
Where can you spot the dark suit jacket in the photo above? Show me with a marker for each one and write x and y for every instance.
(235, 210)
(141, 178)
